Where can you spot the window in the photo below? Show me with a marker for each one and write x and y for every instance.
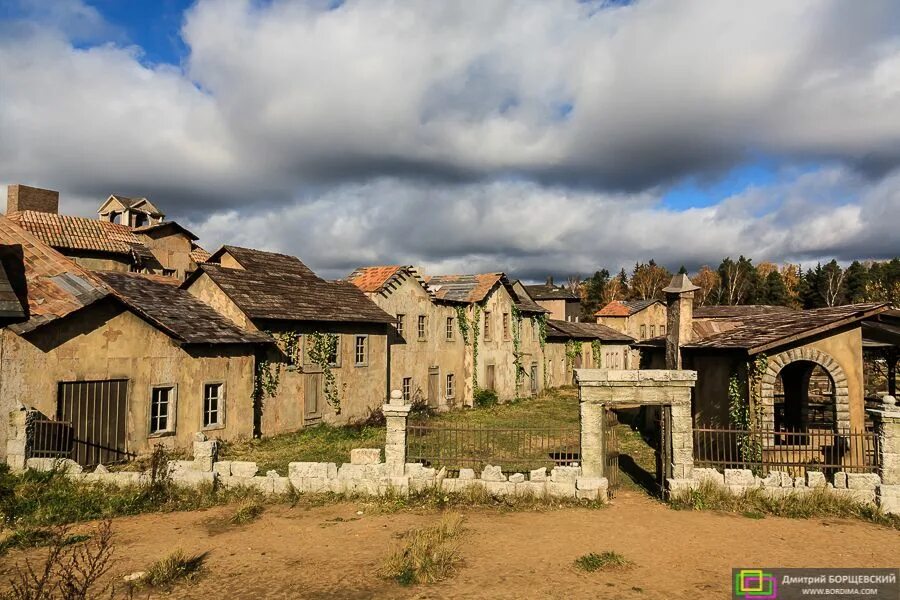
(643, 332)
(653, 331)
(450, 385)
(400, 324)
(487, 326)
(534, 378)
(407, 385)
(421, 327)
(361, 351)
(505, 326)
(162, 409)
(213, 405)
(168, 272)
(662, 330)
(449, 329)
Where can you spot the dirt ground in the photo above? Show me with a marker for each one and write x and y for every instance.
(332, 552)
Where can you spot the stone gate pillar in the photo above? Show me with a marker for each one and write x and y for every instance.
(887, 430)
(396, 413)
(600, 389)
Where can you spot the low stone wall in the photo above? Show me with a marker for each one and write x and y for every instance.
(365, 475)
(860, 487)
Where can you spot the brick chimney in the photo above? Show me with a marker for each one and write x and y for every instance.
(679, 317)
(22, 197)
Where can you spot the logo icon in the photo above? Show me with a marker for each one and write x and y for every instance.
(755, 584)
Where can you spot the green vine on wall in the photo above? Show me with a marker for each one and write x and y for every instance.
(462, 323)
(539, 324)
(476, 330)
(597, 353)
(517, 347)
(573, 349)
(322, 351)
(745, 406)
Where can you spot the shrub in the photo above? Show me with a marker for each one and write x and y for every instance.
(71, 570)
(430, 554)
(249, 510)
(485, 398)
(168, 571)
(605, 560)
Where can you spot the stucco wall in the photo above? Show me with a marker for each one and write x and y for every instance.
(172, 251)
(107, 342)
(98, 263)
(205, 289)
(416, 358)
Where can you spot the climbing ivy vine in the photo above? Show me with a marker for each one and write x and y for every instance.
(476, 329)
(539, 324)
(322, 351)
(462, 323)
(517, 347)
(745, 405)
(597, 353)
(573, 349)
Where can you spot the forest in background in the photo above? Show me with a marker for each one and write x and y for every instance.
(742, 282)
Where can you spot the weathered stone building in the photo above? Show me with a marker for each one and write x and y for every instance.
(640, 319)
(427, 350)
(130, 235)
(573, 346)
(563, 304)
(332, 360)
(120, 360)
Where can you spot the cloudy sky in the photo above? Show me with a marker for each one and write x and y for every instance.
(531, 137)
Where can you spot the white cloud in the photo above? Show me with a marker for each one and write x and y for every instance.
(529, 136)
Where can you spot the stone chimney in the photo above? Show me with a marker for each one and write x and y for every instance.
(22, 197)
(550, 280)
(679, 317)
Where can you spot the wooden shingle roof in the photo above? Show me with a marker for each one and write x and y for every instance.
(738, 311)
(624, 308)
(280, 287)
(175, 311)
(551, 292)
(585, 331)
(80, 233)
(46, 283)
(761, 332)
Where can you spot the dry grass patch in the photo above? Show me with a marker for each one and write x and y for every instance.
(248, 510)
(605, 560)
(430, 554)
(755, 503)
(173, 569)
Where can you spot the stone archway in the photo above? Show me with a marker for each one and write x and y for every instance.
(779, 361)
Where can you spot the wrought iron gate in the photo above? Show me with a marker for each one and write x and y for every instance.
(96, 412)
(611, 450)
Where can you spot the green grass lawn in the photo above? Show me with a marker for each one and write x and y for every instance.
(557, 409)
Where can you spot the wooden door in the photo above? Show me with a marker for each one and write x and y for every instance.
(434, 387)
(489, 377)
(313, 398)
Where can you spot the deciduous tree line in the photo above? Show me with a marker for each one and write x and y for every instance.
(741, 282)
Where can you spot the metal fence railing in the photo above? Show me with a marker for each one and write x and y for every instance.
(795, 452)
(59, 439)
(513, 449)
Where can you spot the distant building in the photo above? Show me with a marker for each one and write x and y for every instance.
(583, 346)
(640, 319)
(129, 235)
(563, 304)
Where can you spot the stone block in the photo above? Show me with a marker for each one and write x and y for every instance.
(467, 474)
(499, 488)
(205, 454)
(517, 478)
(565, 474)
(376, 471)
(710, 475)
(365, 456)
(193, 477)
(680, 486)
(741, 477)
(222, 468)
(399, 485)
(535, 489)
(888, 498)
(799, 482)
(348, 471)
(492, 473)
(860, 496)
(786, 480)
(419, 484)
(538, 474)
(890, 468)
(241, 468)
(590, 483)
(815, 479)
(587, 494)
(312, 469)
(772, 480)
(63, 465)
(840, 480)
(557, 489)
(862, 481)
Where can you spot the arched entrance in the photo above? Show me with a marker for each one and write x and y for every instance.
(804, 398)
(805, 389)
